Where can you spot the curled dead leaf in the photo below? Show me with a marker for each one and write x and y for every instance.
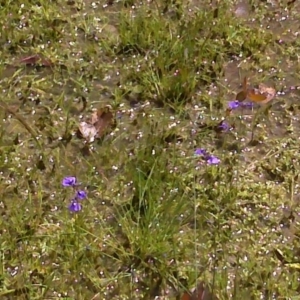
(241, 96)
(34, 60)
(88, 131)
(261, 95)
(100, 123)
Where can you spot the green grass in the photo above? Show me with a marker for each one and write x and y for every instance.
(157, 219)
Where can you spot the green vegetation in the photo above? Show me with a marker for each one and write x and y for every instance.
(158, 218)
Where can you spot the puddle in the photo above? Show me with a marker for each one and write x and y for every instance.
(65, 95)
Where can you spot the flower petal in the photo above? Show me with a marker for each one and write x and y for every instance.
(224, 126)
(69, 181)
(75, 206)
(80, 195)
(200, 151)
(212, 160)
(234, 104)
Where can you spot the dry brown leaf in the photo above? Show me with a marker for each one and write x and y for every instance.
(100, 123)
(269, 91)
(88, 131)
(241, 96)
(34, 60)
(262, 95)
(102, 120)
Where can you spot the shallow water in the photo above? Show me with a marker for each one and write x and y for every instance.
(63, 93)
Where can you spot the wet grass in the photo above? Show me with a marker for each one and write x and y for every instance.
(158, 219)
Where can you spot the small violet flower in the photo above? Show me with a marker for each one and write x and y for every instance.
(200, 151)
(224, 126)
(210, 159)
(69, 181)
(75, 206)
(234, 104)
(80, 195)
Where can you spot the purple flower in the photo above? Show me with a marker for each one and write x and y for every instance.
(234, 104)
(69, 181)
(80, 195)
(75, 206)
(224, 126)
(212, 160)
(247, 104)
(200, 151)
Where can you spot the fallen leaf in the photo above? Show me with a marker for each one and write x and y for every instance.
(88, 131)
(261, 95)
(102, 120)
(35, 59)
(100, 123)
(241, 96)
